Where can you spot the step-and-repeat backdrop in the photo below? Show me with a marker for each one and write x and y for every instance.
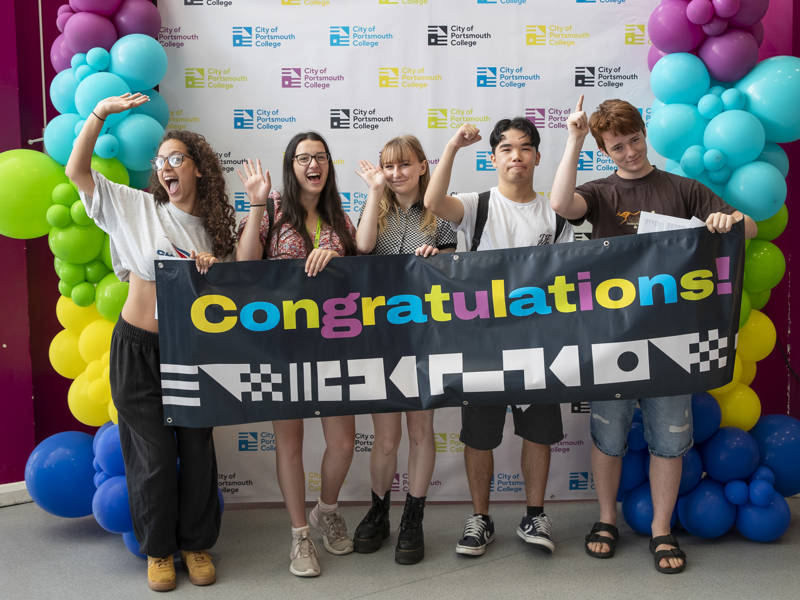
(249, 74)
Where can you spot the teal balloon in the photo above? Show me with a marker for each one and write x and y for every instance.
(716, 89)
(757, 189)
(77, 60)
(733, 99)
(674, 128)
(107, 146)
(59, 136)
(97, 87)
(140, 60)
(709, 106)
(769, 229)
(720, 176)
(692, 161)
(157, 108)
(713, 160)
(98, 58)
(139, 136)
(772, 88)
(679, 77)
(83, 71)
(140, 179)
(62, 91)
(764, 266)
(776, 156)
(75, 244)
(657, 104)
(737, 134)
(110, 297)
(58, 215)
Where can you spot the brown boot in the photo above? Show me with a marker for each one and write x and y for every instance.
(200, 566)
(161, 573)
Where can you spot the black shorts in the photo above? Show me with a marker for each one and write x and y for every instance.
(482, 426)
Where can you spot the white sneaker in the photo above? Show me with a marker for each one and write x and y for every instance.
(333, 529)
(303, 556)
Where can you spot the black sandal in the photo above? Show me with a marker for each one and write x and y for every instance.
(593, 536)
(675, 552)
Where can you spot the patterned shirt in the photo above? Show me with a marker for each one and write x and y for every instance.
(289, 243)
(402, 233)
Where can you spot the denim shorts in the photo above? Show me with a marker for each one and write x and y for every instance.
(667, 424)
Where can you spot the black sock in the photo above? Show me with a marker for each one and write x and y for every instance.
(535, 511)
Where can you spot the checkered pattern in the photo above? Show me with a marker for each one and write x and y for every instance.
(263, 383)
(710, 352)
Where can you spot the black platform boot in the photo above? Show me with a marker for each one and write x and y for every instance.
(374, 527)
(410, 541)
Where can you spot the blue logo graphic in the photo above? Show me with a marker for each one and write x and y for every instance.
(241, 203)
(248, 441)
(579, 480)
(345, 201)
(340, 35)
(487, 76)
(487, 1)
(242, 37)
(483, 161)
(586, 160)
(243, 118)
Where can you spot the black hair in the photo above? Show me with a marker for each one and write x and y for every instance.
(520, 123)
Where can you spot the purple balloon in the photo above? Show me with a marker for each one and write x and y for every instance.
(61, 20)
(653, 56)
(750, 13)
(700, 12)
(757, 31)
(726, 8)
(138, 16)
(60, 54)
(98, 7)
(715, 26)
(730, 56)
(86, 30)
(64, 8)
(670, 29)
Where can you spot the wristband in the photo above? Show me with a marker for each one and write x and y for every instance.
(98, 116)
(256, 205)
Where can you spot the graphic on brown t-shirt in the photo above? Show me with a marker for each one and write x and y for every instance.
(625, 215)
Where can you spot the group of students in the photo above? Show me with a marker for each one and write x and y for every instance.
(407, 211)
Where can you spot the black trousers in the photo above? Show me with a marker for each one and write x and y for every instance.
(174, 505)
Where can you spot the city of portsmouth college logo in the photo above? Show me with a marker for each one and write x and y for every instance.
(211, 78)
(487, 76)
(456, 35)
(584, 76)
(259, 36)
(215, 3)
(504, 77)
(506, 482)
(291, 77)
(243, 118)
(447, 442)
(388, 77)
(586, 160)
(602, 76)
(635, 35)
(551, 117)
(241, 202)
(339, 35)
(357, 36)
(242, 37)
(613, 3)
(580, 481)
(536, 35)
(194, 77)
(483, 161)
(406, 2)
(175, 37)
(536, 116)
(407, 77)
(437, 35)
(261, 118)
(309, 77)
(453, 118)
(256, 441)
(503, 2)
(352, 202)
(358, 118)
(554, 35)
(437, 118)
(340, 118)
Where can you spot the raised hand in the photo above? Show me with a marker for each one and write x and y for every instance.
(466, 136)
(577, 123)
(372, 175)
(118, 104)
(257, 182)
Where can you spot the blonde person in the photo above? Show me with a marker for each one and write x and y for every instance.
(309, 224)
(394, 221)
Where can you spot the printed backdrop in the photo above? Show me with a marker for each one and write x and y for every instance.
(249, 74)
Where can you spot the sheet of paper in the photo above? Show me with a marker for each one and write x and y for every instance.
(651, 222)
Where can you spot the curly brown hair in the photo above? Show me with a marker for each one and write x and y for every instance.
(219, 218)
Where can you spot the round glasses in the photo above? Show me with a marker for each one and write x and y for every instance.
(304, 159)
(175, 160)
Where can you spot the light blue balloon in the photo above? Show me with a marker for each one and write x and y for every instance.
(674, 128)
(98, 59)
(140, 179)
(757, 189)
(138, 137)
(720, 176)
(62, 91)
(78, 127)
(83, 71)
(772, 88)
(107, 146)
(679, 77)
(733, 99)
(737, 134)
(776, 156)
(671, 165)
(139, 60)
(692, 161)
(157, 108)
(716, 90)
(59, 136)
(98, 87)
(657, 104)
(77, 60)
(710, 106)
(713, 160)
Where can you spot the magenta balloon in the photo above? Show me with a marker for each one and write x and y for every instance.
(670, 30)
(757, 31)
(60, 54)
(61, 20)
(700, 12)
(730, 56)
(86, 30)
(64, 8)
(653, 56)
(715, 26)
(726, 8)
(138, 16)
(750, 13)
(98, 7)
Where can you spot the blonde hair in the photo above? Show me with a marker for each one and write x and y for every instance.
(396, 150)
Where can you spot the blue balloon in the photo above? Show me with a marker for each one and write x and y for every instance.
(730, 454)
(62, 91)
(764, 473)
(83, 71)
(110, 505)
(140, 179)
(77, 60)
(737, 492)
(772, 88)
(139, 60)
(679, 77)
(713, 160)
(132, 544)
(776, 156)
(139, 136)
(109, 452)
(720, 176)
(778, 439)
(107, 146)
(674, 128)
(764, 524)
(97, 87)
(59, 136)
(733, 99)
(633, 472)
(100, 478)
(692, 161)
(98, 433)
(761, 492)
(705, 511)
(757, 189)
(637, 508)
(692, 471)
(709, 106)
(706, 416)
(98, 59)
(716, 89)
(737, 134)
(157, 108)
(657, 104)
(59, 474)
(636, 439)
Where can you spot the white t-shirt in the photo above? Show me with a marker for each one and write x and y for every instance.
(141, 230)
(511, 224)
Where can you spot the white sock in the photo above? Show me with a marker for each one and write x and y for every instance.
(327, 508)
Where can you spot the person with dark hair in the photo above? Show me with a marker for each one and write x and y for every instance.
(612, 206)
(394, 220)
(309, 223)
(510, 215)
(187, 216)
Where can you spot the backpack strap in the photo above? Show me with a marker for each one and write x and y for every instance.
(480, 219)
(559, 226)
(271, 217)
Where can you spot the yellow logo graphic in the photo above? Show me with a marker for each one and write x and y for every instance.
(313, 481)
(290, 2)
(440, 442)
(635, 35)
(195, 77)
(388, 1)
(447, 442)
(536, 35)
(437, 118)
(389, 77)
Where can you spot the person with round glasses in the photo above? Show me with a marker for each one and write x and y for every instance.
(309, 223)
(187, 215)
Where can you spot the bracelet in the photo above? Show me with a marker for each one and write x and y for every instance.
(256, 205)
(98, 116)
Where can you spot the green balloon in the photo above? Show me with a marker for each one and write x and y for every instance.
(95, 271)
(105, 253)
(758, 300)
(769, 229)
(110, 297)
(78, 214)
(83, 294)
(764, 266)
(57, 262)
(76, 244)
(65, 194)
(71, 274)
(744, 313)
(27, 179)
(112, 169)
(58, 215)
(64, 289)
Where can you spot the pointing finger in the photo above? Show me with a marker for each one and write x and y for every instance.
(579, 105)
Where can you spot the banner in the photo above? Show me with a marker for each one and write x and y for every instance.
(624, 317)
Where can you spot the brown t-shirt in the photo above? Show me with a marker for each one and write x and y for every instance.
(613, 203)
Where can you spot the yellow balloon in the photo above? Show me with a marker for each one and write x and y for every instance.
(64, 355)
(757, 337)
(95, 340)
(748, 372)
(740, 408)
(81, 406)
(99, 392)
(94, 370)
(74, 317)
(737, 375)
(112, 413)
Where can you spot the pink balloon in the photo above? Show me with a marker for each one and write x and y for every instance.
(700, 12)
(60, 54)
(715, 26)
(61, 20)
(730, 56)
(670, 29)
(64, 8)
(105, 8)
(750, 13)
(653, 56)
(757, 31)
(138, 16)
(86, 30)
(726, 8)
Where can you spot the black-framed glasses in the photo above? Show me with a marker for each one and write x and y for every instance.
(175, 160)
(304, 159)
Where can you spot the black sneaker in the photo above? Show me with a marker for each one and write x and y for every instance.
(478, 533)
(536, 530)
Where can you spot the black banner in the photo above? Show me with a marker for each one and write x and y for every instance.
(625, 317)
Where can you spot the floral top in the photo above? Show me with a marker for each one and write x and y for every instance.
(289, 242)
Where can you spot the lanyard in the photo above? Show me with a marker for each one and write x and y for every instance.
(319, 229)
